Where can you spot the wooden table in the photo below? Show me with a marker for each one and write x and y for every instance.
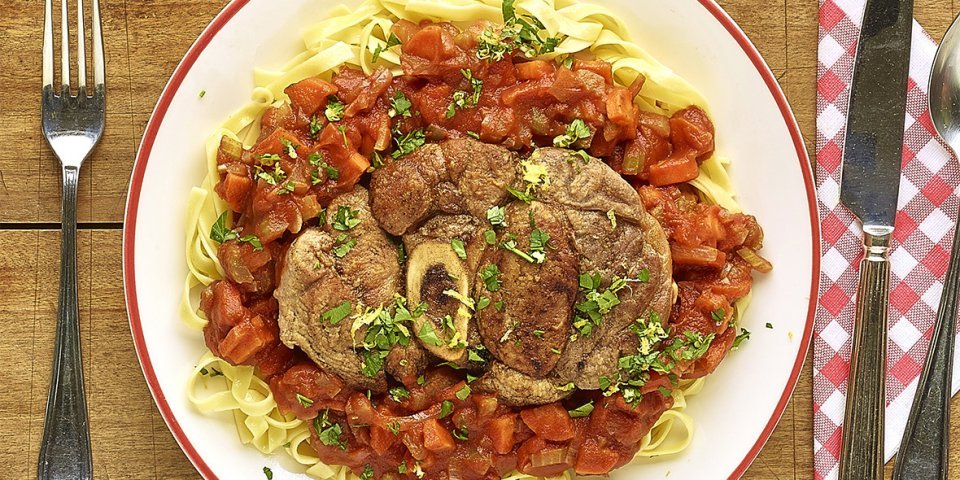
(144, 42)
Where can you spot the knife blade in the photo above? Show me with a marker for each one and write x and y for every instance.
(869, 185)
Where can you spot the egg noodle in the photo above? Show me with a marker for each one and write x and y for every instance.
(350, 37)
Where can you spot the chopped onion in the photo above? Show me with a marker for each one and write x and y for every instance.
(759, 263)
(552, 456)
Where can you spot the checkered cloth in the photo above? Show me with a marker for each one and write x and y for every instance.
(922, 239)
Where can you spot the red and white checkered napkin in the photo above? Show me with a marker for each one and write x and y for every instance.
(927, 210)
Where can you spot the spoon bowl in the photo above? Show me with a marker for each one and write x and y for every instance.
(945, 87)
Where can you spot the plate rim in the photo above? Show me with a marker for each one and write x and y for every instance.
(224, 17)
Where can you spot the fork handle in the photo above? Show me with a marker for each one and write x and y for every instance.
(926, 440)
(861, 456)
(65, 448)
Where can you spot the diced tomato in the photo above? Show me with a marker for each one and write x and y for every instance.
(600, 67)
(430, 44)
(309, 94)
(501, 432)
(594, 459)
(304, 389)
(245, 340)
(436, 438)
(550, 421)
(234, 190)
(381, 439)
(535, 69)
(674, 170)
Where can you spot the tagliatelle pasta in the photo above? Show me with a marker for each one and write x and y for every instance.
(352, 37)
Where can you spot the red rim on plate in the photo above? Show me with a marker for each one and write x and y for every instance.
(150, 134)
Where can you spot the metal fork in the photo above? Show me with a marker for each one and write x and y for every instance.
(72, 125)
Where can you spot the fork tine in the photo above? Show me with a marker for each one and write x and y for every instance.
(98, 65)
(47, 45)
(81, 53)
(64, 49)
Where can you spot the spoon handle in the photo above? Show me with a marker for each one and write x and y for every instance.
(924, 449)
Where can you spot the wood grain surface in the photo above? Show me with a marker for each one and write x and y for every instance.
(144, 41)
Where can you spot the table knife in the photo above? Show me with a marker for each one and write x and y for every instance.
(869, 184)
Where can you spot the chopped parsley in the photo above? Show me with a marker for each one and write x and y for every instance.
(384, 330)
(288, 148)
(367, 473)
(220, 233)
(461, 433)
(524, 33)
(268, 473)
(202, 93)
(399, 105)
(334, 110)
(399, 394)
(473, 354)
(315, 127)
(401, 255)
(597, 303)
(428, 335)
(463, 100)
(770, 325)
(581, 411)
(538, 333)
(392, 41)
(463, 393)
(743, 335)
(457, 245)
(613, 218)
(490, 275)
(407, 143)
(446, 408)
(718, 315)
(538, 244)
(213, 372)
(497, 217)
(343, 245)
(510, 244)
(490, 237)
(484, 302)
(472, 134)
(329, 433)
(345, 219)
(576, 131)
(330, 173)
(336, 314)
(304, 400)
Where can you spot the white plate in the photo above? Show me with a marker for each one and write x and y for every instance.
(742, 401)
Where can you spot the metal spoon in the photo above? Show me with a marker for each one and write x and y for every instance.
(926, 441)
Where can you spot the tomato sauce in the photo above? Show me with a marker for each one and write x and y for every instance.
(332, 132)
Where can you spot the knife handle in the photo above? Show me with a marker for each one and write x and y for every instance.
(861, 457)
(926, 440)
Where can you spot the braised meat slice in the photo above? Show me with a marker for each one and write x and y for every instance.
(320, 274)
(517, 389)
(462, 176)
(528, 324)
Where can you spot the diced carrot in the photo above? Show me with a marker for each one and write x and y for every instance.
(436, 438)
(500, 430)
(274, 143)
(550, 421)
(620, 109)
(245, 340)
(234, 190)
(310, 94)
(676, 169)
(381, 439)
(600, 67)
(534, 69)
(592, 459)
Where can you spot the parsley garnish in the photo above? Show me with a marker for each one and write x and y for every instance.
(576, 131)
(490, 237)
(718, 315)
(446, 408)
(304, 400)
(523, 33)
(288, 148)
(399, 105)
(497, 217)
(461, 433)
(429, 335)
(613, 218)
(399, 394)
(344, 244)
(401, 255)
(202, 93)
(315, 127)
(329, 433)
(336, 314)
(458, 248)
(743, 335)
(268, 473)
(538, 333)
(367, 473)
(334, 110)
(407, 143)
(581, 411)
(345, 219)
(463, 100)
(219, 232)
(484, 302)
(392, 41)
(769, 325)
(597, 303)
(463, 393)
(491, 278)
